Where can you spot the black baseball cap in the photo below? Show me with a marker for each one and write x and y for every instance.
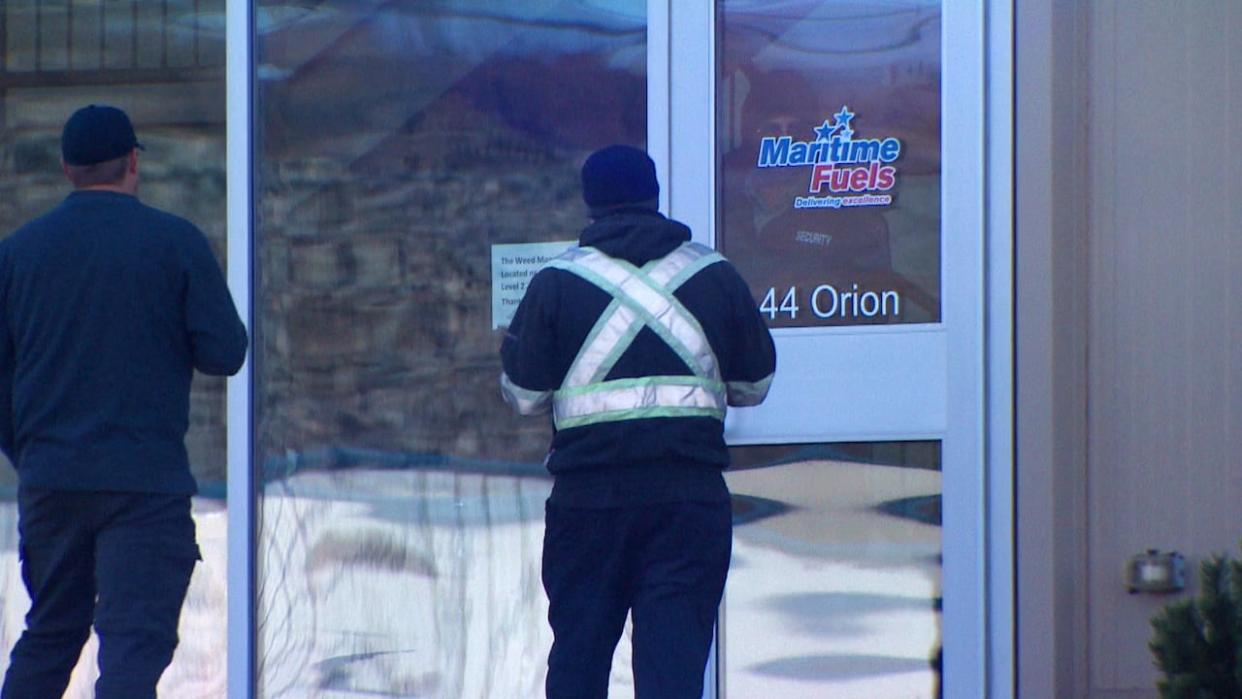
(95, 134)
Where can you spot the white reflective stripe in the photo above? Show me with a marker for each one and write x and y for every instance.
(618, 325)
(662, 398)
(679, 265)
(744, 393)
(614, 331)
(641, 298)
(524, 400)
(700, 257)
(659, 308)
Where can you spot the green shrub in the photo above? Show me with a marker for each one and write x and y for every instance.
(1198, 642)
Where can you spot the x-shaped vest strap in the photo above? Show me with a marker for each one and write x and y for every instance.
(640, 298)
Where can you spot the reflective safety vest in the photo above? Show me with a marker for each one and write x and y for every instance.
(641, 298)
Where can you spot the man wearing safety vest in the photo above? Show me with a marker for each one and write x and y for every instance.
(636, 341)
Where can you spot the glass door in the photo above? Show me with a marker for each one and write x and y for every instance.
(836, 156)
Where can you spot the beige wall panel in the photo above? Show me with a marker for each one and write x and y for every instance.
(1164, 346)
(1051, 248)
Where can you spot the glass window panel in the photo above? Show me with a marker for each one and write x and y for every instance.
(56, 56)
(408, 154)
(834, 588)
(828, 158)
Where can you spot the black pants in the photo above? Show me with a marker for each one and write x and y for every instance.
(121, 561)
(664, 563)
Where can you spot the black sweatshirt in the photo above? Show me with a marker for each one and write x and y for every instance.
(666, 459)
(106, 307)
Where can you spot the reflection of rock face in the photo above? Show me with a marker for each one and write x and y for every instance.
(375, 282)
(182, 172)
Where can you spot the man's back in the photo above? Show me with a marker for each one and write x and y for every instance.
(637, 341)
(109, 305)
(106, 308)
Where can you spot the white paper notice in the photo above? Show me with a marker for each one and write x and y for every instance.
(512, 269)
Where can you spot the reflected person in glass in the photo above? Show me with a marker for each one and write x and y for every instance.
(108, 306)
(636, 341)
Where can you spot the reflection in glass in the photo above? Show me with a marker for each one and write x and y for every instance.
(401, 502)
(834, 588)
(163, 63)
(828, 157)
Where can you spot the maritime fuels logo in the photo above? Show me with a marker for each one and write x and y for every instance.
(845, 171)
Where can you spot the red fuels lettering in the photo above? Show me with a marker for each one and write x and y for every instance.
(871, 178)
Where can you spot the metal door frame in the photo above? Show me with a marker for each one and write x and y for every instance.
(962, 392)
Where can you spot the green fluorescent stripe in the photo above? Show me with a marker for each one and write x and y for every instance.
(671, 340)
(638, 414)
(752, 387)
(641, 382)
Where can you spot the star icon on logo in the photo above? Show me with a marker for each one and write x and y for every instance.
(843, 118)
(824, 131)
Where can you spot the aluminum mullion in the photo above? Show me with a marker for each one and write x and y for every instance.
(241, 494)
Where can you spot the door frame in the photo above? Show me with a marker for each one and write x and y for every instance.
(961, 393)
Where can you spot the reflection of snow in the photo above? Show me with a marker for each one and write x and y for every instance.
(198, 668)
(418, 584)
(423, 583)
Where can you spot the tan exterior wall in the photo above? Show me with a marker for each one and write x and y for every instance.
(1129, 350)
(1049, 363)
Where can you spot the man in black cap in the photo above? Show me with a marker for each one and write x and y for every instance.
(636, 340)
(107, 306)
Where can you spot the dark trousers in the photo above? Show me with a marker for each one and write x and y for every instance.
(666, 564)
(120, 561)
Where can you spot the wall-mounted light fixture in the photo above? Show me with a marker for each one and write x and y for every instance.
(1155, 571)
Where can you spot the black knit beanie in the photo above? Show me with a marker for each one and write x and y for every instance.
(619, 177)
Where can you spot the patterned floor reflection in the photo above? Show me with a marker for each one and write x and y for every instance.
(835, 593)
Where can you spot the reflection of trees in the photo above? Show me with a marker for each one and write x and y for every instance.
(277, 644)
(402, 582)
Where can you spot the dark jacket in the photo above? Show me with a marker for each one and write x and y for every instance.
(106, 307)
(643, 460)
